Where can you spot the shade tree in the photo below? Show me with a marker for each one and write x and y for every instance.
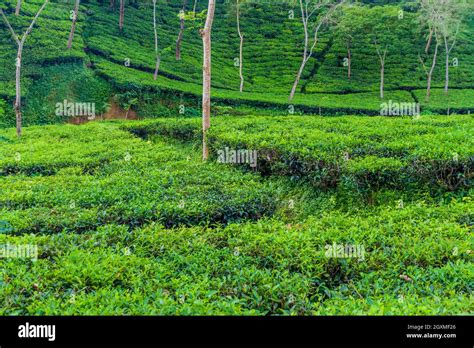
(206, 70)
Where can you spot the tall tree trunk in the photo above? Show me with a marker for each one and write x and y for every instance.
(382, 77)
(157, 65)
(206, 86)
(382, 67)
(18, 90)
(20, 44)
(298, 78)
(428, 43)
(241, 55)
(73, 26)
(122, 14)
(18, 7)
(181, 31)
(448, 52)
(430, 73)
(446, 81)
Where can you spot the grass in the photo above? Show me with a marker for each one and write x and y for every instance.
(138, 225)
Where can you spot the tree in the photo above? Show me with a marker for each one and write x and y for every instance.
(382, 56)
(181, 30)
(158, 59)
(241, 55)
(449, 38)
(206, 70)
(73, 26)
(444, 18)
(309, 8)
(20, 43)
(122, 14)
(18, 7)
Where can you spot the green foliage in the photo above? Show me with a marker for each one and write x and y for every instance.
(265, 267)
(71, 82)
(272, 54)
(129, 221)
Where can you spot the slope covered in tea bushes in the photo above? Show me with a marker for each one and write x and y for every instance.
(364, 153)
(272, 55)
(128, 225)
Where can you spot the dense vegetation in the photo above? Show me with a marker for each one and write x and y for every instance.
(121, 224)
(272, 54)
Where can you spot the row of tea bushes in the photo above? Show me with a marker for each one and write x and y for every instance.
(370, 152)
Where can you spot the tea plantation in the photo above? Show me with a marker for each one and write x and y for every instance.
(272, 54)
(345, 212)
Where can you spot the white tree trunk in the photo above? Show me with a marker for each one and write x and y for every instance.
(158, 60)
(73, 26)
(298, 77)
(181, 31)
(349, 62)
(157, 67)
(430, 73)
(446, 83)
(305, 52)
(241, 54)
(382, 67)
(18, 7)
(382, 77)
(206, 86)
(428, 43)
(18, 90)
(122, 14)
(20, 45)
